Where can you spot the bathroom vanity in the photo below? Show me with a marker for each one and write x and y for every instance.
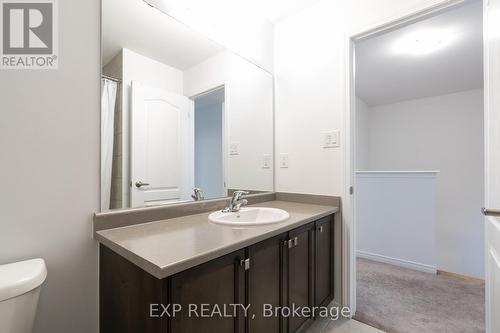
(196, 268)
(183, 131)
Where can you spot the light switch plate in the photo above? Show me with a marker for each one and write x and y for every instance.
(284, 160)
(331, 139)
(234, 148)
(266, 161)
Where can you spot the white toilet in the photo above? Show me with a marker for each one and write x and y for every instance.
(20, 284)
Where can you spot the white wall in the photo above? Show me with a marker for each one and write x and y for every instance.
(137, 67)
(396, 218)
(442, 133)
(249, 115)
(310, 67)
(49, 143)
(151, 73)
(362, 134)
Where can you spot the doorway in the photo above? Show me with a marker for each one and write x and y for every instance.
(209, 143)
(418, 170)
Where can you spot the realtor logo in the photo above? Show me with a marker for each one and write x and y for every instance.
(29, 34)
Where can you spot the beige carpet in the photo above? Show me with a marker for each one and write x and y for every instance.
(396, 299)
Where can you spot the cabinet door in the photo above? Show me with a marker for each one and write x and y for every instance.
(300, 271)
(264, 284)
(324, 262)
(219, 282)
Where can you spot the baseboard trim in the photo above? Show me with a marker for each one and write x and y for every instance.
(398, 262)
(461, 276)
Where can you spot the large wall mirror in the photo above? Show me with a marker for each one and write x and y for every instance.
(179, 113)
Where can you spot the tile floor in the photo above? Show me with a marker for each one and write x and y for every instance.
(341, 326)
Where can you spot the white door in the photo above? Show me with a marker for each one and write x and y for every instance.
(162, 146)
(492, 141)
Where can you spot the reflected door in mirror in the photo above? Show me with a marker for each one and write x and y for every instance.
(162, 137)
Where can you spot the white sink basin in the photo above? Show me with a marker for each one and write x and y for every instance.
(249, 216)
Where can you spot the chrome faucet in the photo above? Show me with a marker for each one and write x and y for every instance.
(198, 194)
(236, 202)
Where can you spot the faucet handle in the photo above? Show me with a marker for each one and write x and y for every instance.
(198, 194)
(236, 202)
(237, 194)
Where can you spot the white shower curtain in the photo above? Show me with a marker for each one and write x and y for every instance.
(108, 99)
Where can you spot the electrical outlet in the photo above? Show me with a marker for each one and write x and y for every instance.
(284, 160)
(331, 139)
(266, 161)
(234, 148)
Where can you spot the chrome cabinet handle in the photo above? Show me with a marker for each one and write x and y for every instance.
(140, 184)
(245, 264)
(291, 242)
(320, 228)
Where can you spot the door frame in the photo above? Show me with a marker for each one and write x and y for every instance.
(405, 17)
(225, 128)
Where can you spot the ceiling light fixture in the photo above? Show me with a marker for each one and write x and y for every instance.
(424, 42)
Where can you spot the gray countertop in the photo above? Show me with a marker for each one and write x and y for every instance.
(163, 248)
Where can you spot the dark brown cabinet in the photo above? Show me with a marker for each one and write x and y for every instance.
(323, 288)
(264, 281)
(294, 269)
(126, 293)
(210, 287)
(300, 274)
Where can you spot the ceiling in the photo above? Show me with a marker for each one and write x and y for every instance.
(141, 28)
(276, 10)
(272, 10)
(386, 73)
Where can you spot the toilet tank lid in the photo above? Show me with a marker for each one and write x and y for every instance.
(21, 277)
